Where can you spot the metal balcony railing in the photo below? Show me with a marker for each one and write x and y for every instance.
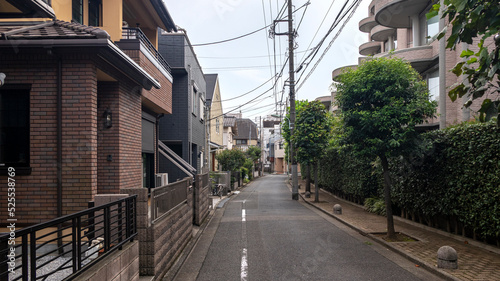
(65, 247)
(166, 198)
(131, 33)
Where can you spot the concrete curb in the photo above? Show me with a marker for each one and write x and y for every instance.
(427, 228)
(410, 257)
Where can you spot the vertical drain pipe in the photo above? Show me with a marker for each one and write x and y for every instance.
(442, 71)
(59, 152)
(59, 137)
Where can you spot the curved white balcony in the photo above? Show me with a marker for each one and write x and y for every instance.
(381, 33)
(420, 58)
(366, 24)
(398, 13)
(339, 71)
(369, 48)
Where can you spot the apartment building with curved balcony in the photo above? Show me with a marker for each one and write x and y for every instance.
(399, 28)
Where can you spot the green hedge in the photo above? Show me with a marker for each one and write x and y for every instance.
(454, 182)
(349, 176)
(459, 178)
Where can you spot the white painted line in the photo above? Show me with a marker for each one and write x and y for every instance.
(244, 252)
(244, 265)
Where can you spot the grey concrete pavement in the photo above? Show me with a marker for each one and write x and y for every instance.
(476, 261)
(261, 234)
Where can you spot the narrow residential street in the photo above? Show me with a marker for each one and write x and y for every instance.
(262, 234)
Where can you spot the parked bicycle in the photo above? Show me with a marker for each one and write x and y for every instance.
(218, 189)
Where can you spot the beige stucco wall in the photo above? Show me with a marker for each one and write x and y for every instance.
(216, 115)
(216, 122)
(227, 138)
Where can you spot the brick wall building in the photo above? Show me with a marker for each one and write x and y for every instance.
(72, 111)
(400, 29)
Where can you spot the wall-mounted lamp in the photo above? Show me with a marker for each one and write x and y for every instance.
(107, 118)
(2, 79)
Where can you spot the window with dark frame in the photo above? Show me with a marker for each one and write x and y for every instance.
(241, 142)
(194, 101)
(77, 10)
(14, 127)
(95, 12)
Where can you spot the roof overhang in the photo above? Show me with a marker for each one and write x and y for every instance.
(33, 8)
(102, 47)
(216, 146)
(167, 20)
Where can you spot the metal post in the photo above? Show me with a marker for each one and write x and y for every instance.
(291, 35)
(442, 72)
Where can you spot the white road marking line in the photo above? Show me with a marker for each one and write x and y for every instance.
(244, 252)
(244, 265)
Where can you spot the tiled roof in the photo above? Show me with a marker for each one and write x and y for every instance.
(247, 129)
(56, 29)
(70, 35)
(229, 121)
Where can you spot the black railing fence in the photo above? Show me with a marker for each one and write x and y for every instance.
(65, 247)
(131, 33)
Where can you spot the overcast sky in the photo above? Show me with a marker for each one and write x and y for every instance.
(246, 63)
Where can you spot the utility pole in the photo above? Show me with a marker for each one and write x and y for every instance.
(291, 80)
(291, 35)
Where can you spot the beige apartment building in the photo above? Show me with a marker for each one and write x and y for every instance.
(216, 119)
(400, 28)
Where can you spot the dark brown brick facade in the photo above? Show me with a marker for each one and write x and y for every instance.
(95, 159)
(159, 100)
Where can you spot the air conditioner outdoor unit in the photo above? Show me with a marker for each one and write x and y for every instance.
(161, 179)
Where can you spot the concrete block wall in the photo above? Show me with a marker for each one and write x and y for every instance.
(161, 242)
(201, 204)
(168, 237)
(121, 265)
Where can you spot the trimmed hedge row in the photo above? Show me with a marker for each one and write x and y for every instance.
(458, 178)
(348, 176)
(454, 184)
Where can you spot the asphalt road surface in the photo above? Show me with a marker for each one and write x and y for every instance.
(262, 234)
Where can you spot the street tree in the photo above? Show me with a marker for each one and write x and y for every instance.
(311, 136)
(231, 160)
(380, 104)
(472, 19)
(253, 154)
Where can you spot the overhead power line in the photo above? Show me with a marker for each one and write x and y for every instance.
(254, 89)
(353, 8)
(250, 101)
(241, 36)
